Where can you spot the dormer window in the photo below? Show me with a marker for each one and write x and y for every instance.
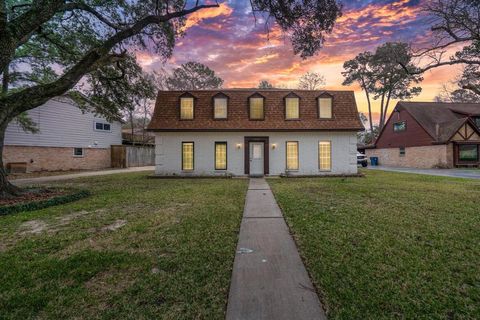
(325, 104)
(186, 107)
(220, 105)
(292, 107)
(256, 107)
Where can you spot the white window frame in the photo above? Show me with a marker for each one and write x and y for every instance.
(320, 107)
(78, 156)
(102, 123)
(319, 162)
(298, 156)
(215, 108)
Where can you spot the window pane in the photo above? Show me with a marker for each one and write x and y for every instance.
(78, 152)
(220, 156)
(106, 126)
(325, 107)
(467, 152)
(399, 126)
(256, 108)
(186, 108)
(292, 155)
(98, 126)
(291, 108)
(325, 155)
(220, 107)
(187, 155)
(477, 122)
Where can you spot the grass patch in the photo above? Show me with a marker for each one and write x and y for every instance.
(389, 246)
(136, 248)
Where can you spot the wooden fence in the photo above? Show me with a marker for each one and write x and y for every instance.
(124, 156)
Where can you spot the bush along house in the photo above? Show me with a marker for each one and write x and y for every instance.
(429, 135)
(255, 132)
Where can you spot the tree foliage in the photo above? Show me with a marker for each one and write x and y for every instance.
(264, 84)
(193, 76)
(311, 81)
(381, 76)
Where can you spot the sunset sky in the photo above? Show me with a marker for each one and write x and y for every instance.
(227, 40)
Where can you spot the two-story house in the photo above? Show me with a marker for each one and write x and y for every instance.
(430, 134)
(255, 132)
(67, 139)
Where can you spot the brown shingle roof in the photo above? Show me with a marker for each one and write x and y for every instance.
(448, 117)
(166, 115)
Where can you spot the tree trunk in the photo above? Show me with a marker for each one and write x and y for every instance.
(380, 127)
(6, 188)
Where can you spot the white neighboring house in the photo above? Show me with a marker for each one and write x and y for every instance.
(67, 139)
(255, 132)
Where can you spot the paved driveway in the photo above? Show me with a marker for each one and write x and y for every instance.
(455, 173)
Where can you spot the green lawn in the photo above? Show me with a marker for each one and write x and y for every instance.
(390, 245)
(137, 248)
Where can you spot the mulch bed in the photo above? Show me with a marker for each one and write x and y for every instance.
(35, 199)
(31, 195)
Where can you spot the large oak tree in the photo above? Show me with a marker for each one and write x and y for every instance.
(455, 40)
(51, 47)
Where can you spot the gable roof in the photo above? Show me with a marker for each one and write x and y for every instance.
(441, 120)
(166, 114)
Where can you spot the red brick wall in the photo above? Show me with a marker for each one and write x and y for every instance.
(414, 136)
(53, 159)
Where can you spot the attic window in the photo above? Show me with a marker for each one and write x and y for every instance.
(186, 108)
(256, 107)
(220, 105)
(400, 126)
(325, 104)
(292, 103)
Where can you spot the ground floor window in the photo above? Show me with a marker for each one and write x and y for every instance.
(402, 151)
(187, 155)
(292, 155)
(325, 155)
(220, 156)
(78, 152)
(468, 152)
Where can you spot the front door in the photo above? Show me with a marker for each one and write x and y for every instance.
(256, 159)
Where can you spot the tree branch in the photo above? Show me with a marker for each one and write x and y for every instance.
(84, 7)
(32, 97)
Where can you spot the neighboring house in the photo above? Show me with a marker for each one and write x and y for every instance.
(430, 134)
(255, 132)
(67, 139)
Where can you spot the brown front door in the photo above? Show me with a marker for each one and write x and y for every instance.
(256, 157)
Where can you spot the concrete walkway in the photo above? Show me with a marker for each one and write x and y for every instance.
(79, 175)
(269, 280)
(454, 173)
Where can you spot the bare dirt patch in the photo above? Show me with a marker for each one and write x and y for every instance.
(33, 227)
(116, 225)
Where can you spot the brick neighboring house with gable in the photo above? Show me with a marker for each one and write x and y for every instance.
(255, 132)
(430, 134)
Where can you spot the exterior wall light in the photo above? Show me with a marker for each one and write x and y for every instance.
(274, 145)
(239, 145)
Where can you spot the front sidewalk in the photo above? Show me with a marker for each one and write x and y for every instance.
(269, 280)
(79, 175)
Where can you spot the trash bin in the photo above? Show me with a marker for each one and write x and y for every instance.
(374, 161)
